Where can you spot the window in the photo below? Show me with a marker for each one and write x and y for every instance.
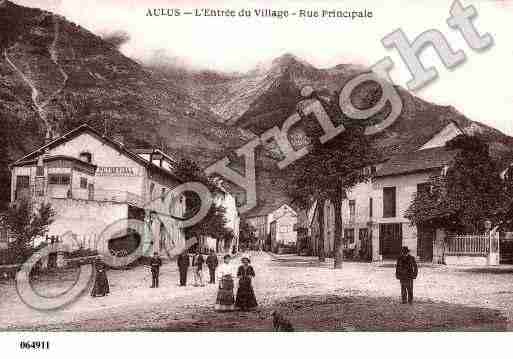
(40, 171)
(389, 202)
(163, 194)
(369, 171)
(284, 229)
(152, 188)
(22, 181)
(370, 207)
(39, 186)
(83, 182)
(90, 192)
(352, 209)
(22, 187)
(86, 156)
(349, 235)
(60, 179)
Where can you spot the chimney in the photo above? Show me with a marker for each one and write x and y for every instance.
(119, 138)
(48, 136)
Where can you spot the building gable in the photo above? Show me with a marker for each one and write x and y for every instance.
(103, 155)
(441, 138)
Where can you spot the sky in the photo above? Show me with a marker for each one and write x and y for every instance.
(480, 88)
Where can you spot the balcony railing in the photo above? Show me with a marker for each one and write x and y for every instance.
(68, 192)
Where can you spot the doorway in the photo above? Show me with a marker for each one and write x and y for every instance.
(390, 240)
(425, 239)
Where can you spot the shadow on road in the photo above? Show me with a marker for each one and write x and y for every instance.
(354, 313)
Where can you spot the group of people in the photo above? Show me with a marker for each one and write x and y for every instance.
(226, 301)
(198, 262)
(245, 299)
(224, 273)
(406, 272)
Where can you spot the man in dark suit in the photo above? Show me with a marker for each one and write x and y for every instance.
(406, 271)
(183, 265)
(212, 263)
(155, 264)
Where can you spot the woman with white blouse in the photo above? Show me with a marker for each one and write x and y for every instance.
(225, 274)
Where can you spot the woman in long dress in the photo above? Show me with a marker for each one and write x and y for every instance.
(101, 283)
(225, 299)
(245, 295)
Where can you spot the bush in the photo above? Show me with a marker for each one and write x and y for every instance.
(12, 255)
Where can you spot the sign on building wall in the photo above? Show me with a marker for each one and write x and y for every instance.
(117, 172)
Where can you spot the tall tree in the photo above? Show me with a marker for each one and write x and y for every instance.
(470, 192)
(5, 174)
(505, 213)
(25, 223)
(247, 236)
(214, 223)
(329, 170)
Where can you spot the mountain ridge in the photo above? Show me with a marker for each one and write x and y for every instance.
(56, 75)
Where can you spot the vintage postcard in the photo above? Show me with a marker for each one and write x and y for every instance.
(254, 166)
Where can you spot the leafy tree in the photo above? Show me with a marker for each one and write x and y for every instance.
(329, 170)
(247, 236)
(5, 175)
(505, 213)
(214, 223)
(471, 191)
(24, 223)
(229, 236)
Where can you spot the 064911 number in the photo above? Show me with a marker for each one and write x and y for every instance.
(35, 345)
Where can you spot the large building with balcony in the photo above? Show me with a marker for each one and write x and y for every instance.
(94, 182)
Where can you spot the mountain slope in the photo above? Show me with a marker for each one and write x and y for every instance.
(266, 96)
(56, 75)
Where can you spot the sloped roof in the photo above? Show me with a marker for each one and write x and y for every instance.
(417, 161)
(263, 210)
(88, 129)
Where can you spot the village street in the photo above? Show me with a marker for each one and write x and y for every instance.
(361, 296)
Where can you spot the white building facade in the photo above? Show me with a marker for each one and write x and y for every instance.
(373, 215)
(96, 185)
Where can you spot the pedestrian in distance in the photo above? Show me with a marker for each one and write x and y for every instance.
(101, 283)
(245, 299)
(155, 264)
(183, 266)
(212, 263)
(197, 264)
(406, 271)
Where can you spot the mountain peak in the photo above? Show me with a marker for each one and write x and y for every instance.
(288, 60)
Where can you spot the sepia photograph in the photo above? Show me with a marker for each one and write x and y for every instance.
(170, 166)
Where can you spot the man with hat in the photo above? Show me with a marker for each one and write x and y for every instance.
(406, 271)
(183, 265)
(212, 263)
(155, 264)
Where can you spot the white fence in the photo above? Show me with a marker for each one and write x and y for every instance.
(468, 245)
(473, 249)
